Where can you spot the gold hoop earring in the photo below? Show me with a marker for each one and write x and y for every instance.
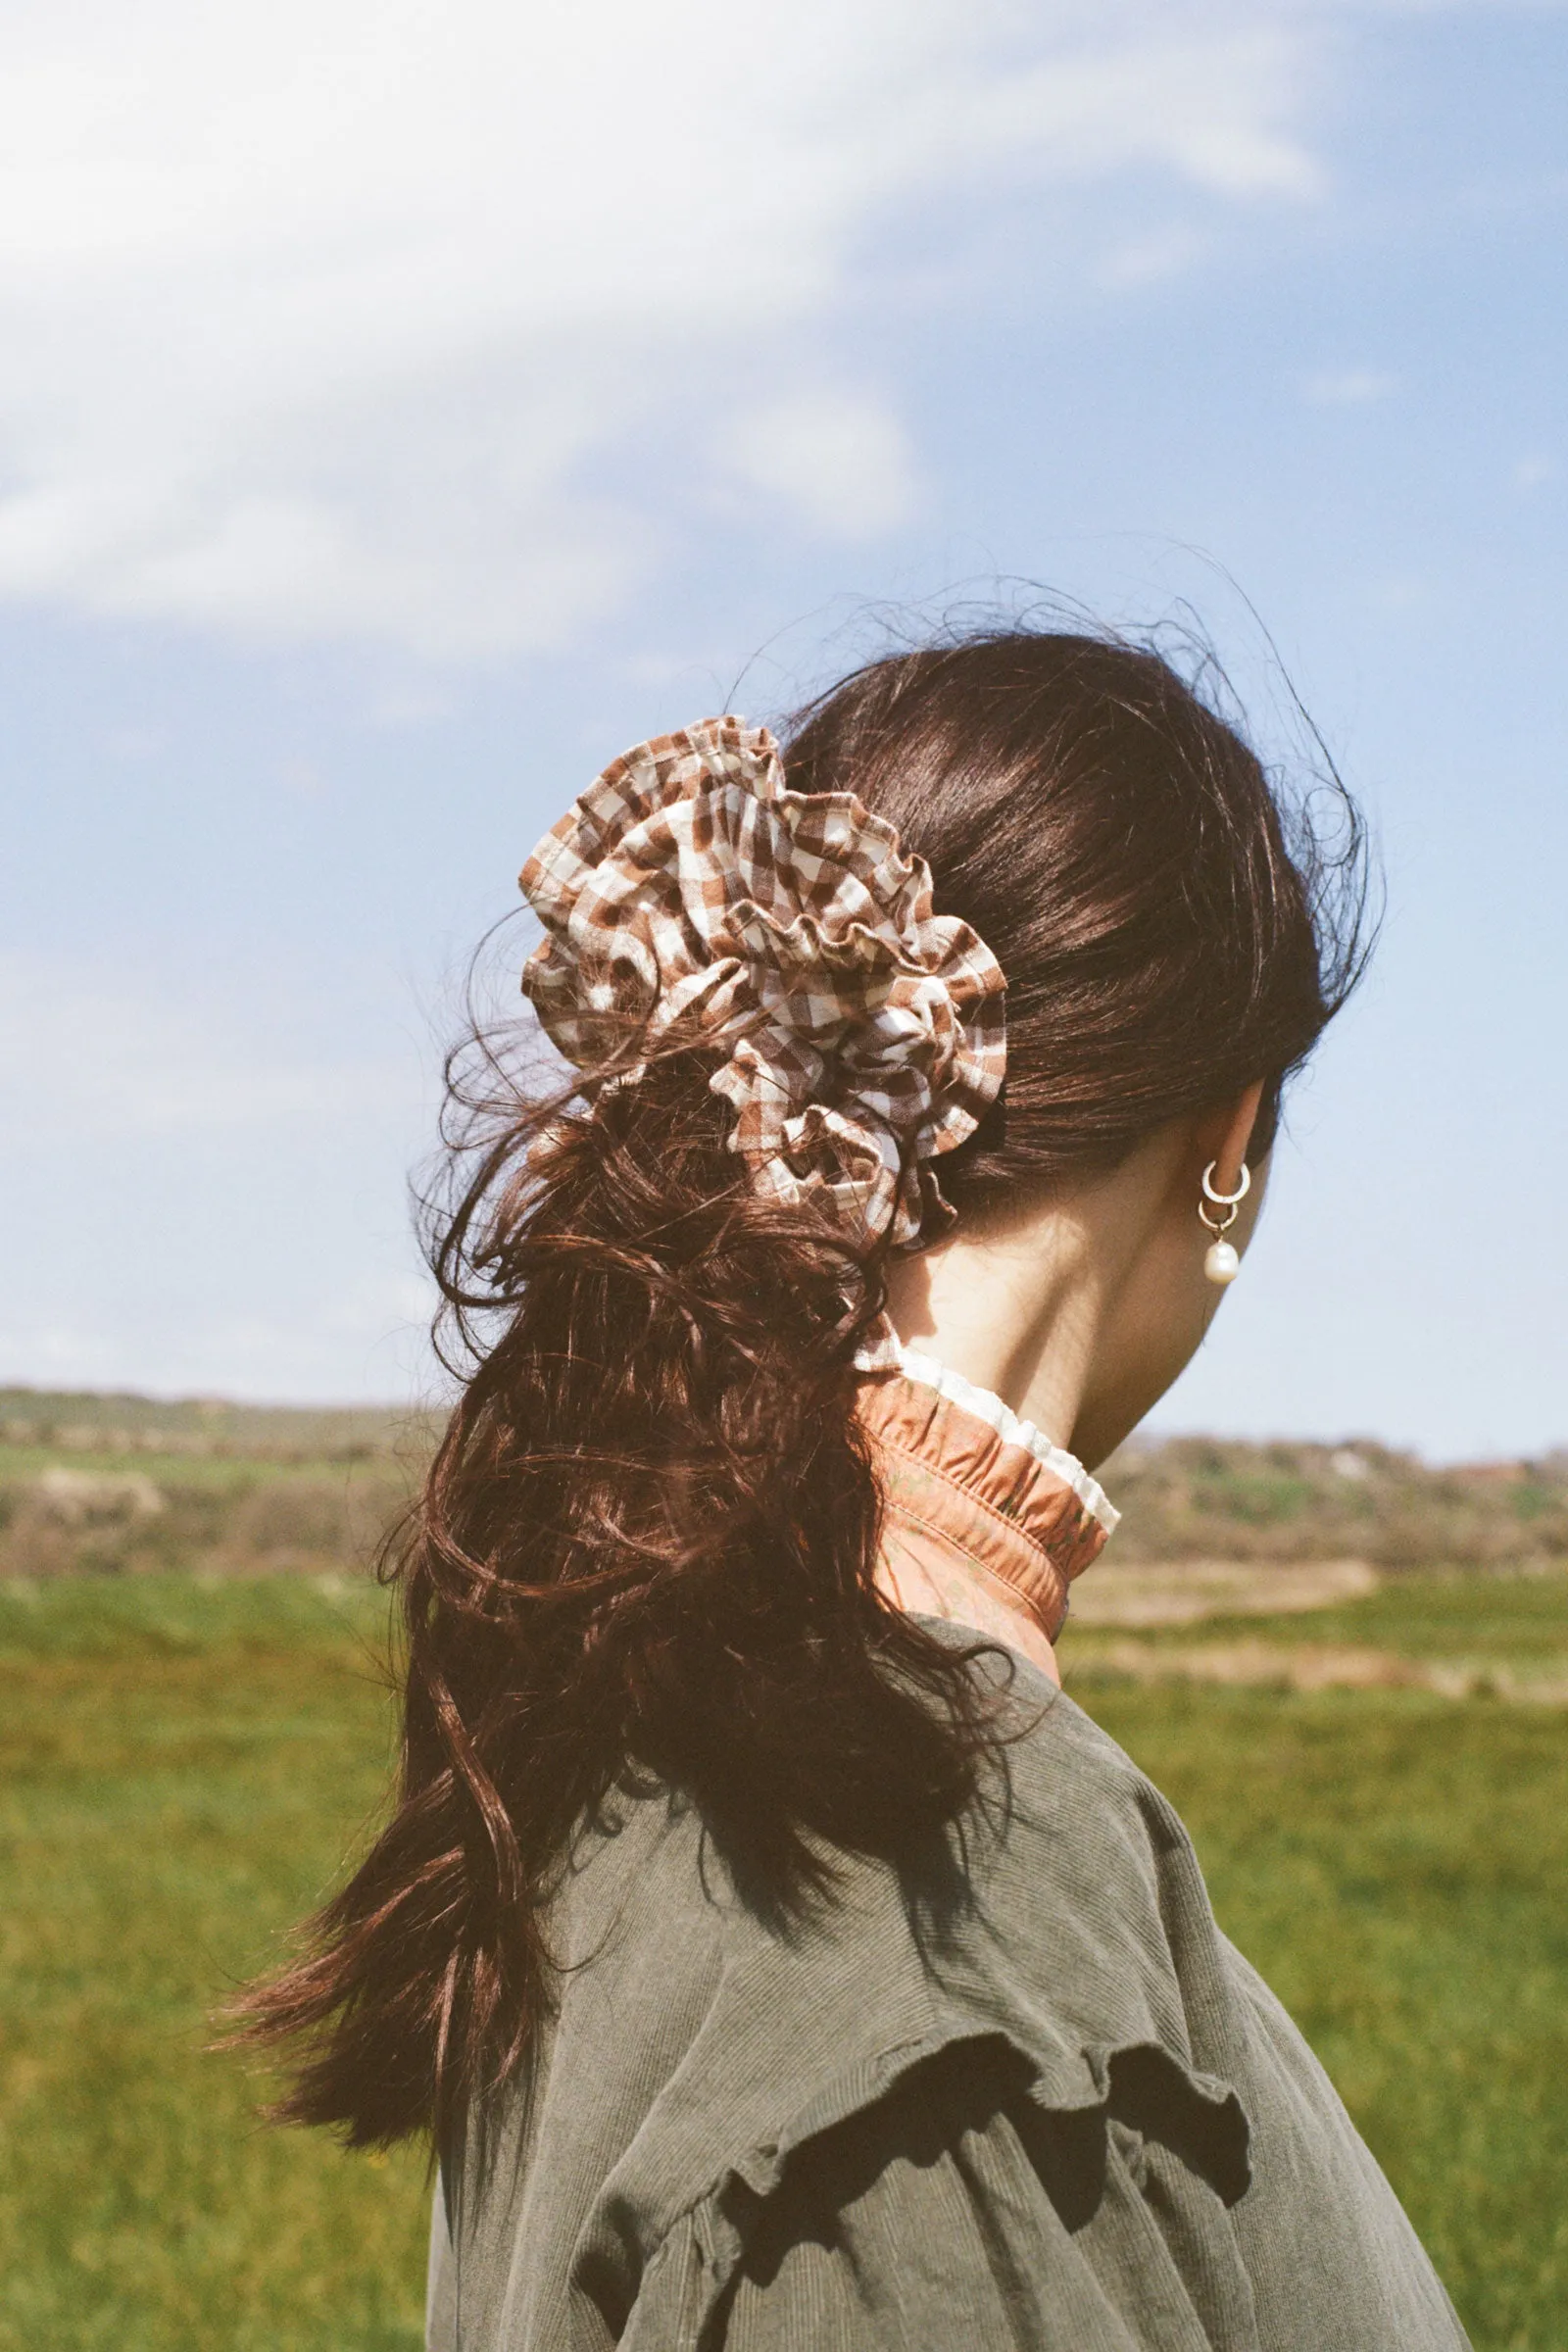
(1221, 1263)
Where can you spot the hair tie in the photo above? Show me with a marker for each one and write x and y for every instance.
(865, 1036)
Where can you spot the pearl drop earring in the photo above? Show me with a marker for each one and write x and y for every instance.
(1220, 1261)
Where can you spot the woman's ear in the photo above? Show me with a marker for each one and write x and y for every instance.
(1223, 1137)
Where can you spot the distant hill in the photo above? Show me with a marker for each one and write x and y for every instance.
(1218, 1499)
(88, 1421)
(117, 1483)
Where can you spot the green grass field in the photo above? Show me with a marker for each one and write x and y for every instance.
(184, 1766)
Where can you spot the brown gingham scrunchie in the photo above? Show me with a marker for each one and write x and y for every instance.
(866, 1034)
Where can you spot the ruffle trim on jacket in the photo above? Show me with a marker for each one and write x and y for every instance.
(691, 2272)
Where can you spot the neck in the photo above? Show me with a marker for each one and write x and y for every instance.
(1022, 1307)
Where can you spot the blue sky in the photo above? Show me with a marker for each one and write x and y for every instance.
(404, 409)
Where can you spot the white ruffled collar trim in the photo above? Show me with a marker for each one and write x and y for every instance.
(928, 1373)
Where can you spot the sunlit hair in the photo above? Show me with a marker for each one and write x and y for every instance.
(646, 1545)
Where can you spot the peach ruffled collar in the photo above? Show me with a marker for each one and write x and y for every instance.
(986, 1521)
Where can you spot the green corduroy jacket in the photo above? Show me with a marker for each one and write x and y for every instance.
(1028, 2097)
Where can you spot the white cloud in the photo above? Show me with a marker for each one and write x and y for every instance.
(1349, 387)
(168, 1144)
(333, 318)
(840, 460)
(103, 1059)
(1146, 260)
(367, 1339)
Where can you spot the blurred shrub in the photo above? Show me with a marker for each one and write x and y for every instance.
(62, 1521)
(300, 1521)
(68, 1518)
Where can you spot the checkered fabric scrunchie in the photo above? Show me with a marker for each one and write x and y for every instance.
(866, 1035)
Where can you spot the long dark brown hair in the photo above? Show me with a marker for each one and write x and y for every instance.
(645, 1547)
